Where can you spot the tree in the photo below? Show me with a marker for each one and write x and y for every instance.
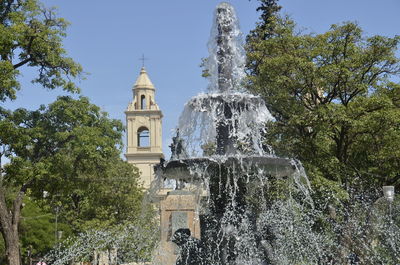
(110, 198)
(264, 29)
(37, 230)
(335, 105)
(31, 35)
(65, 155)
(337, 109)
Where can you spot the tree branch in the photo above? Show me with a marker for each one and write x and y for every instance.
(28, 51)
(27, 60)
(18, 203)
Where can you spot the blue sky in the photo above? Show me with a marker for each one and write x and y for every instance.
(109, 37)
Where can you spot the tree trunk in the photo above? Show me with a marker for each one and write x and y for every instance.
(9, 221)
(12, 250)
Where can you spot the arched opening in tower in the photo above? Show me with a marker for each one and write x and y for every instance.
(143, 137)
(143, 102)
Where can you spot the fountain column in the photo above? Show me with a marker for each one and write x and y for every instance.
(224, 54)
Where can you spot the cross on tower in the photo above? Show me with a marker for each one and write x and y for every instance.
(143, 59)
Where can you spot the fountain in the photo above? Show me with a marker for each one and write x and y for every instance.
(220, 150)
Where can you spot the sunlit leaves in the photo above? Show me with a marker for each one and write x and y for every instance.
(31, 35)
(331, 94)
(70, 151)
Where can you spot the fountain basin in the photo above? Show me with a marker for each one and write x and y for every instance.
(185, 169)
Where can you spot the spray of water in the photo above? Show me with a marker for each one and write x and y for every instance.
(225, 64)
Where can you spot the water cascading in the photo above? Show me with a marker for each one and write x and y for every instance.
(220, 149)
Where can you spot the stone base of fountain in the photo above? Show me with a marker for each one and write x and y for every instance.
(178, 210)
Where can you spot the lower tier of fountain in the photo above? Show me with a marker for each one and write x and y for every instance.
(192, 169)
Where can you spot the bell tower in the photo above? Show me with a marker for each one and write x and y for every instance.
(144, 131)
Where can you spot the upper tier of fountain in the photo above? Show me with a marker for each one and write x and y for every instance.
(225, 125)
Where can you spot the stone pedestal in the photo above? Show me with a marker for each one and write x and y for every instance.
(105, 257)
(177, 210)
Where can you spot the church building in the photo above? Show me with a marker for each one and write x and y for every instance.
(144, 129)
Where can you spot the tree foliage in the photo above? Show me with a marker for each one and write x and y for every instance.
(38, 229)
(264, 29)
(62, 160)
(66, 157)
(336, 108)
(31, 35)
